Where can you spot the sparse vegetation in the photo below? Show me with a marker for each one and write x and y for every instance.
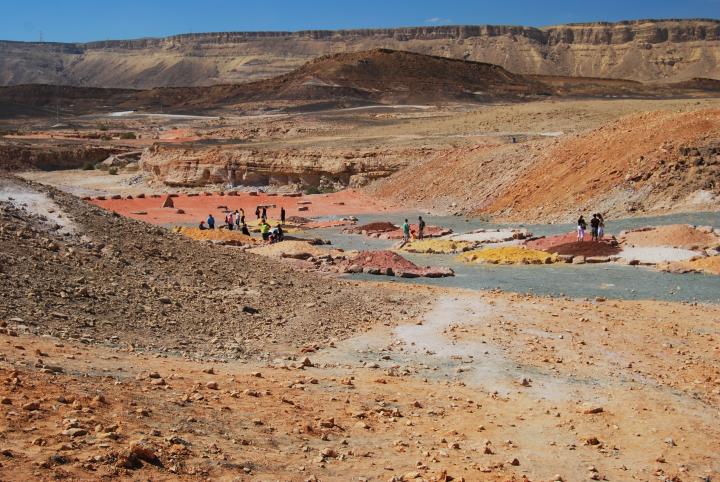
(128, 135)
(113, 171)
(312, 190)
(88, 166)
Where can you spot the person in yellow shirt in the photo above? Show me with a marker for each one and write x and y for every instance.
(264, 230)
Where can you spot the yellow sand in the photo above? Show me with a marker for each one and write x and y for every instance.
(442, 246)
(215, 235)
(254, 226)
(709, 265)
(290, 249)
(508, 255)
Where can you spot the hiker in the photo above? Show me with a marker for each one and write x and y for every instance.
(601, 227)
(594, 225)
(406, 231)
(265, 230)
(282, 215)
(264, 213)
(242, 216)
(581, 227)
(245, 229)
(257, 212)
(211, 221)
(421, 227)
(202, 226)
(229, 221)
(279, 232)
(236, 217)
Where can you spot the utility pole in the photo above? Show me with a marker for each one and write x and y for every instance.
(58, 73)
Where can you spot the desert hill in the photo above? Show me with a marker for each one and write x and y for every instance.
(96, 275)
(380, 75)
(651, 162)
(376, 76)
(643, 50)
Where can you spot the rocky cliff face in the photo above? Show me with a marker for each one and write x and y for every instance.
(22, 155)
(178, 166)
(644, 50)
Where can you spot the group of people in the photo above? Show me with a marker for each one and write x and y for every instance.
(597, 227)
(261, 213)
(236, 220)
(407, 232)
(233, 220)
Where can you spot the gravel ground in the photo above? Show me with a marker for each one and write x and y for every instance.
(123, 282)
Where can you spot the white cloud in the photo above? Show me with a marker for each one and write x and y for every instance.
(437, 20)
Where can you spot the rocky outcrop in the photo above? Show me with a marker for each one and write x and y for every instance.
(645, 50)
(23, 155)
(178, 166)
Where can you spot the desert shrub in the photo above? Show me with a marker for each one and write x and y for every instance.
(88, 166)
(113, 171)
(103, 128)
(312, 190)
(128, 135)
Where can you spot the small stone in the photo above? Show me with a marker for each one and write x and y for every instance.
(211, 385)
(30, 406)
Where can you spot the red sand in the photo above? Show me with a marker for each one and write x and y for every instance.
(567, 244)
(197, 208)
(383, 259)
(390, 263)
(586, 248)
(377, 227)
(548, 242)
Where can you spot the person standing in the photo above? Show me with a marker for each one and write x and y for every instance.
(264, 214)
(594, 225)
(237, 220)
(406, 231)
(282, 215)
(264, 230)
(257, 212)
(421, 227)
(211, 221)
(601, 228)
(581, 227)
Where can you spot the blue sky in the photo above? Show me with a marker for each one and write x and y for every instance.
(85, 20)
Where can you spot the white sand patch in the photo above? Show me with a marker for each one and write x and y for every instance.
(654, 255)
(37, 203)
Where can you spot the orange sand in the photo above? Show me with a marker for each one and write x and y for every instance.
(197, 208)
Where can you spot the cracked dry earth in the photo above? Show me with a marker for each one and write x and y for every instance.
(487, 386)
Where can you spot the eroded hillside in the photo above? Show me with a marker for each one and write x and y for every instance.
(649, 162)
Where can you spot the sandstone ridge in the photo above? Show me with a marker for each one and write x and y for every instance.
(644, 50)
